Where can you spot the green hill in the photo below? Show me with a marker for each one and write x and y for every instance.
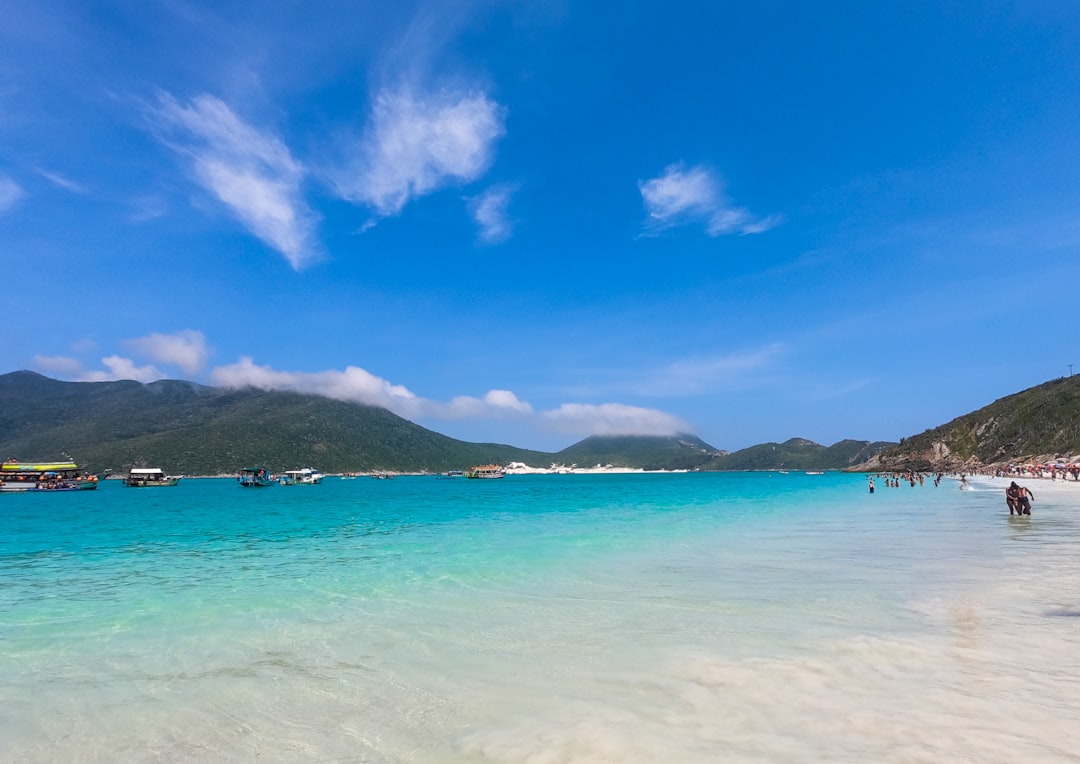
(678, 452)
(1034, 424)
(191, 429)
(186, 428)
(798, 454)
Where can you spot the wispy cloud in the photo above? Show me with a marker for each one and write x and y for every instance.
(60, 181)
(63, 366)
(252, 172)
(694, 195)
(186, 349)
(9, 194)
(704, 374)
(85, 345)
(835, 389)
(490, 211)
(147, 207)
(612, 419)
(418, 143)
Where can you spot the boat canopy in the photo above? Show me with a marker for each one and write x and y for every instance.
(43, 467)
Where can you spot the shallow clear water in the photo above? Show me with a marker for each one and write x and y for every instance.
(552, 618)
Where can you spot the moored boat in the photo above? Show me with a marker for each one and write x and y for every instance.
(306, 476)
(149, 477)
(256, 477)
(485, 471)
(16, 476)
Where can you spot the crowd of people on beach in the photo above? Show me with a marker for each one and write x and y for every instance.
(1017, 497)
(1064, 471)
(1055, 471)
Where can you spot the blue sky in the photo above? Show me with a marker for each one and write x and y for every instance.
(532, 222)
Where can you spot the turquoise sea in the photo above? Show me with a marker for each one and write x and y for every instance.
(541, 618)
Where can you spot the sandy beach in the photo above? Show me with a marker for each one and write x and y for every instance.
(1060, 489)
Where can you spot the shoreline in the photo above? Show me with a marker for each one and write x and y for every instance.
(519, 468)
(1056, 487)
(515, 468)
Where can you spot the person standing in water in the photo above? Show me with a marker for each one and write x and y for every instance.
(1026, 497)
(1012, 498)
(871, 485)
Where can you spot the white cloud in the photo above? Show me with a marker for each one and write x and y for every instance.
(122, 368)
(357, 385)
(360, 386)
(504, 399)
(186, 349)
(682, 196)
(353, 384)
(418, 144)
(489, 210)
(251, 172)
(612, 419)
(9, 194)
(494, 403)
(116, 368)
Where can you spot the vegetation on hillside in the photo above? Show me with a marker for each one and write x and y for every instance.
(681, 452)
(1037, 423)
(798, 454)
(191, 429)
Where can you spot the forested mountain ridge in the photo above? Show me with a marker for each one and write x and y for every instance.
(187, 428)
